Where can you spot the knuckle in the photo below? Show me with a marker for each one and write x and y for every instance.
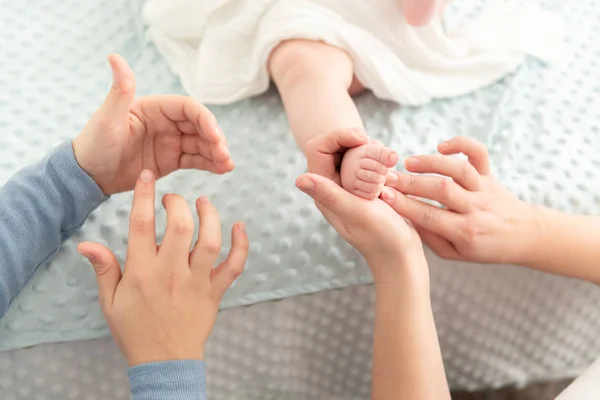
(212, 247)
(141, 225)
(328, 200)
(468, 232)
(409, 183)
(182, 227)
(467, 172)
(429, 216)
(444, 190)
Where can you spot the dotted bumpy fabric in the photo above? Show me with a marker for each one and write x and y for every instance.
(497, 325)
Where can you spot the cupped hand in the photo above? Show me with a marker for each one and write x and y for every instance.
(164, 304)
(160, 133)
(371, 226)
(324, 153)
(481, 220)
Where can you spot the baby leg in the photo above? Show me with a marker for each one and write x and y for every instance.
(314, 80)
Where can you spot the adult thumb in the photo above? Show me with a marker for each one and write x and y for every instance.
(122, 92)
(106, 267)
(327, 194)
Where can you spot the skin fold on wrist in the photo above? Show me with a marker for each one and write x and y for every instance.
(409, 269)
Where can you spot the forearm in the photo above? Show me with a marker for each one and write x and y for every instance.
(313, 79)
(168, 380)
(42, 205)
(407, 361)
(564, 244)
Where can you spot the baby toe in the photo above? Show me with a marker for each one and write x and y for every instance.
(370, 176)
(382, 154)
(373, 165)
(369, 187)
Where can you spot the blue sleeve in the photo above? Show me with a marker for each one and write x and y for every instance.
(168, 380)
(40, 206)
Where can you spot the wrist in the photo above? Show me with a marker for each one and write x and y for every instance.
(399, 270)
(530, 230)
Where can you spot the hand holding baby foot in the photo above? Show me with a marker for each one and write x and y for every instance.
(364, 169)
(159, 133)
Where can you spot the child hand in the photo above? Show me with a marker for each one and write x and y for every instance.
(165, 303)
(482, 221)
(159, 133)
(371, 226)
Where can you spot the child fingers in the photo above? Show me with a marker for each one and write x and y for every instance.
(475, 151)
(461, 171)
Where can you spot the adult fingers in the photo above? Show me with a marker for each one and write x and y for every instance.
(328, 195)
(321, 150)
(194, 144)
(207, 248)
(475, 151)
(440, 246)
(201, 163)
(442, 190)
(443, 222)
(107, 269)
(459, 170)
(142, 230)
(180, 230)
(227, 272)
(183, 108)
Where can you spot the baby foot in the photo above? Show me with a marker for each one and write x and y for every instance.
(364, 169)
(421, 12)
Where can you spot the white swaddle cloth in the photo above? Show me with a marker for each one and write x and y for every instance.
(220, 48)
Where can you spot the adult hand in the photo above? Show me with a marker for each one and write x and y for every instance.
(159, 133)
(165, 303)
(324, 152)
(481, 222)
(371, 226)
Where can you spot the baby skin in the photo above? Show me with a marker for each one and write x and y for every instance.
(316, 82)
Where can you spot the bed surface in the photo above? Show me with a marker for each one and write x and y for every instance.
(498, 325)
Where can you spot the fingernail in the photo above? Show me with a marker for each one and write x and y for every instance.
(442, 146)
(412, 162)
(242, 227)
(203, 200)
(305, 184)
(388, 194)
(392, 176)
(393, 158)
(146, 176)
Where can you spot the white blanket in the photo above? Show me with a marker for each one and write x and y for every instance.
(220, 48)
